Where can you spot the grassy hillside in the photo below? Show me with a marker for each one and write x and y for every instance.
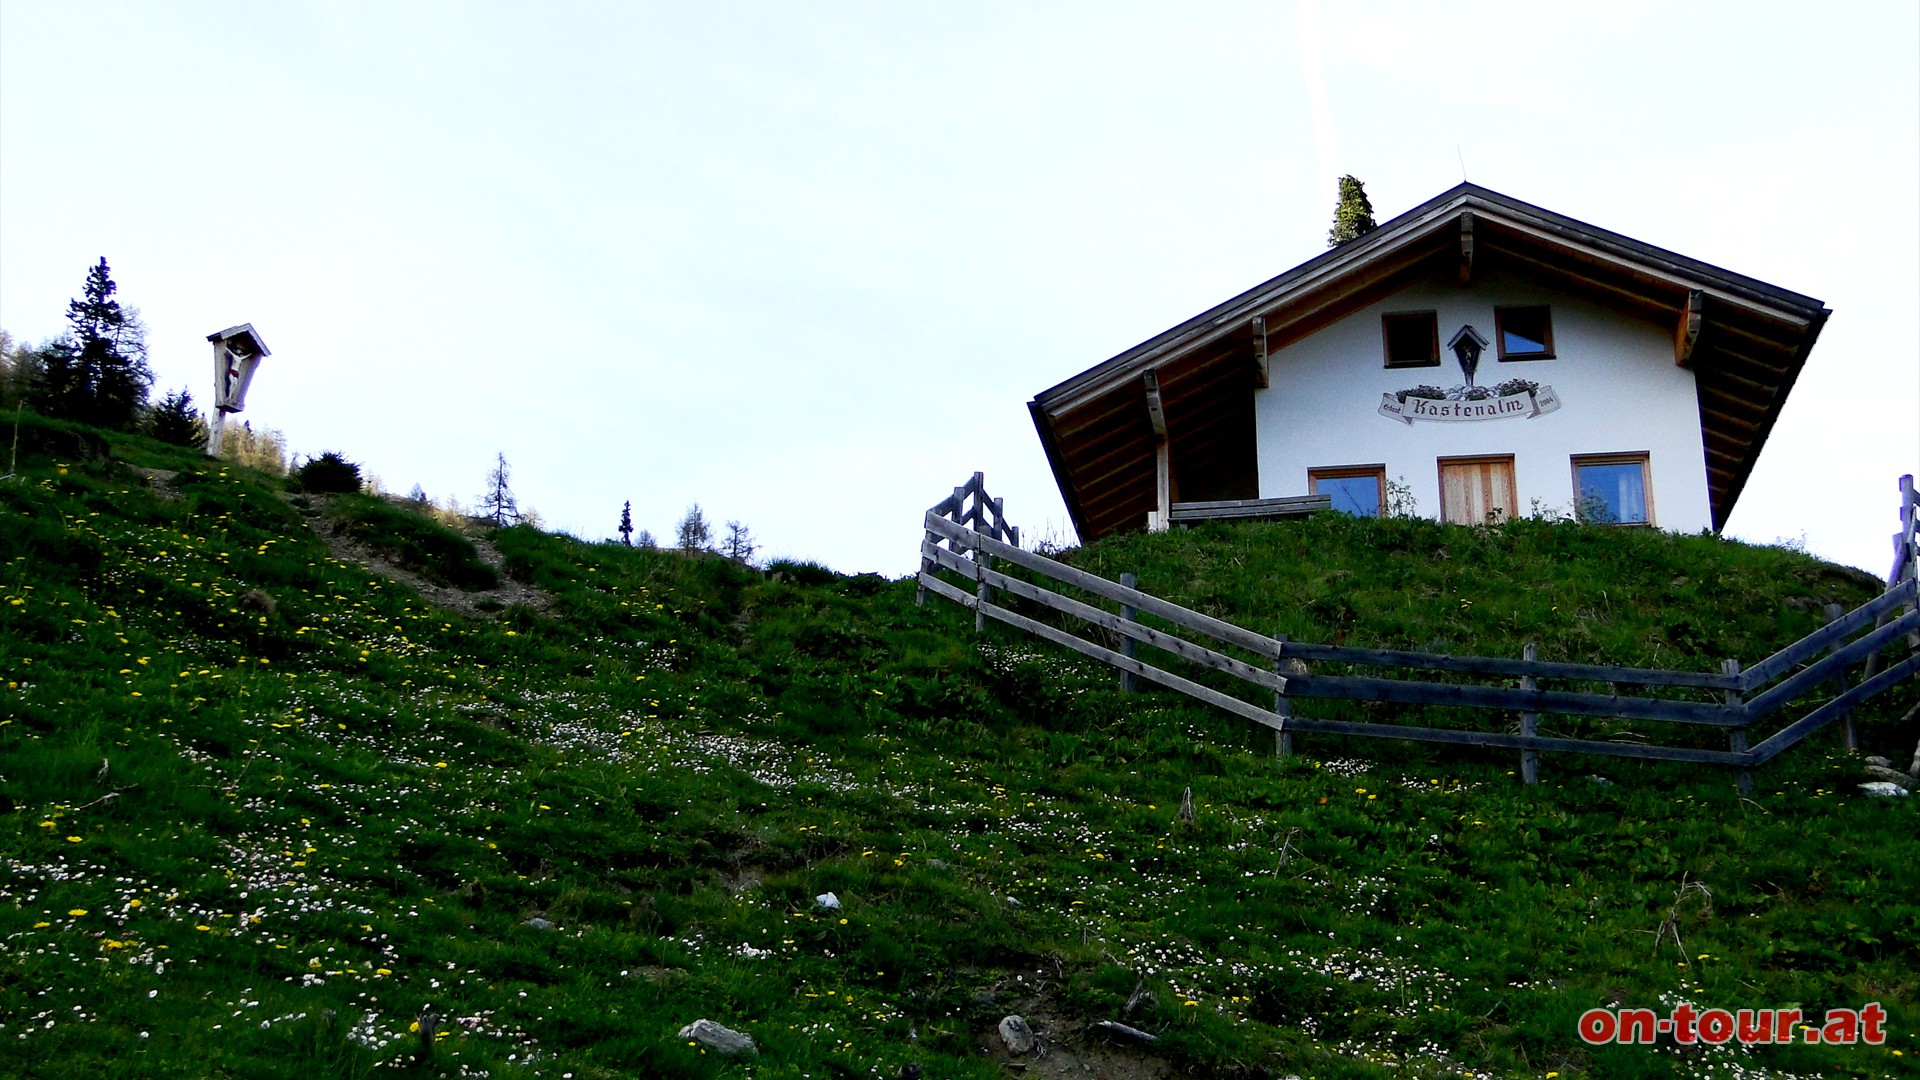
(260, 808)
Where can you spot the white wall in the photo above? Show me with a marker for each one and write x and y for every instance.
(1619, 389)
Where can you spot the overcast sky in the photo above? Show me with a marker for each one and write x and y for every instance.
(806, 263)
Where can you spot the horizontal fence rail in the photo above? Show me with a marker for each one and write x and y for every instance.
(1186, 513)
(964, 539)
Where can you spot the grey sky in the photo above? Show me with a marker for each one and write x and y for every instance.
(805, 264)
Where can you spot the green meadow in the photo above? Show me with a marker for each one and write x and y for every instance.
(261, 809)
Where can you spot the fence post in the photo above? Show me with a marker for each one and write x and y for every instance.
(958, 516)
(1905, 554)
(1737, 737)
(1129, 682)
(982, 592)
(926, 567)
(1849, 735)
(1282, 707)
(1529, 723)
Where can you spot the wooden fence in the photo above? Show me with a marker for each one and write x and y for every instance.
(966, 543)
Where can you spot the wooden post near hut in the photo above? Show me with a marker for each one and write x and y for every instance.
(1849, 734)
(1283, 708)
(1529, 722)
(1906, 563)
(982, 592)
(982, 562)
(1160, 518)
(1737, 737)
(1129, 682)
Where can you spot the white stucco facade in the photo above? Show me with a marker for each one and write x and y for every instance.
(1614, 377)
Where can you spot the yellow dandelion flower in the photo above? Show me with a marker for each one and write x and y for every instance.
(77, 912)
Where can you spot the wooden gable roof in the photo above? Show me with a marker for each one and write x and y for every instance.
(1744, 339)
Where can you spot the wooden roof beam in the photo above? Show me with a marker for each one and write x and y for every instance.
(1687, 335)
(1260, 351)
(1466, 248)
(1156, 410)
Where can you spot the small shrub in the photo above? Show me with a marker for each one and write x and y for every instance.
(330, 473)
(803, 572)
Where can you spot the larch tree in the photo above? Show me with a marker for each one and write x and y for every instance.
(739, 544)
(694, 533)
(498, 502)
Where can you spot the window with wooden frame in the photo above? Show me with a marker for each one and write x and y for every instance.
(1613, 489)
(1524, 333)
(1360, 490)
(1411, 338)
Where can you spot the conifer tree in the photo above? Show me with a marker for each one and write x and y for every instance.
(176, 421)
(98, 373)
(626, 523)
(1353, 217)
(12, 384)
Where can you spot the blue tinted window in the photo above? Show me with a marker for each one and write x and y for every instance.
(1525, 332)
(1614, 493)
(1359, 495)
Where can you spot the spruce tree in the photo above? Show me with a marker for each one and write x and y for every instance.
(626, 523)
(176, 421)
(1353, 217)
(98, 373)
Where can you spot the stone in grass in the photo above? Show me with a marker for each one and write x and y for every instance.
(719, 1038)
(1890, 776)
(538, 923)
(1885, 790)
(1884, 763)
(828, 900)
(1016, 1033)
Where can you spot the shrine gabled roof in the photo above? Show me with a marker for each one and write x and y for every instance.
(1746, 341)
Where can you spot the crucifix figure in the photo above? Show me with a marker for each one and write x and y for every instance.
(1467, 346)
(237, 352)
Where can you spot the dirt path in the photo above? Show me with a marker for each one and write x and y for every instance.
(482, 603)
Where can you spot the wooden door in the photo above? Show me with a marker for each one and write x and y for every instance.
(1477, 491)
